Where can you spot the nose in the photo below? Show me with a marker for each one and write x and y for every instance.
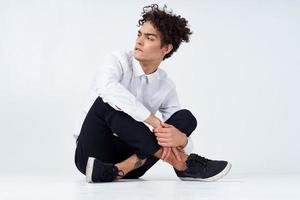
(139, 40)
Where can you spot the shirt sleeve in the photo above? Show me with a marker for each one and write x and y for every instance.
(170, 104)
(108, 87)
(189, 146)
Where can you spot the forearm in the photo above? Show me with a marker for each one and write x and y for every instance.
(153, 121)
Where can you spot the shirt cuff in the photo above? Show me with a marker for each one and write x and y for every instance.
(141, 113)
(189, 146)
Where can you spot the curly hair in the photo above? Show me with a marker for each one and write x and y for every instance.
(173, 28)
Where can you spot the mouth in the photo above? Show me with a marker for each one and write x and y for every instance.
(137, 49)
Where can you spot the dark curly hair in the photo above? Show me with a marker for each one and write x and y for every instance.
(173, 28)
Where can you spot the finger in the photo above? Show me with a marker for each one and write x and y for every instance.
(163, 153)
(162, 130)
(158, 134)
(167, 149)
(157, 130)
(163, 140)
(176, 153)
(168, 153)
(165, 125)
(163, 135)
(164, 144)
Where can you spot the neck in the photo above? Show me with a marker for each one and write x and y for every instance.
(149, 68)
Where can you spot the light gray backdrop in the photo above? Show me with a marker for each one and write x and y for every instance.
(239, 75)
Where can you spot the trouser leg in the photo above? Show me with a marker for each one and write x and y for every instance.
(96, 137)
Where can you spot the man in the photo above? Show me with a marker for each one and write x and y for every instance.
(129, 88)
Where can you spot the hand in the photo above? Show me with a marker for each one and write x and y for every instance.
(169, 136)
(167, 152)
(176, 151)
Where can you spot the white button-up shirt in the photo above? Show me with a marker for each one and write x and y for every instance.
(122, 83)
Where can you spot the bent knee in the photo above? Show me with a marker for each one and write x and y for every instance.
(190, 118)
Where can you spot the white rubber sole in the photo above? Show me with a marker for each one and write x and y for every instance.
(210, 179)
(89, 169)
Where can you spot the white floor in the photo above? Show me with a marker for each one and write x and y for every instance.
(74, 187)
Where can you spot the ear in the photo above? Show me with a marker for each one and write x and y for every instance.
(167, 48)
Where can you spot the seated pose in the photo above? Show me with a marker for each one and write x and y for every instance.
(120, 136)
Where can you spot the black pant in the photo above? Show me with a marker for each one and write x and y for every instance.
(96, 138)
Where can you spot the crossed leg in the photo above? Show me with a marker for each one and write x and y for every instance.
(134, 162)
(96, 138)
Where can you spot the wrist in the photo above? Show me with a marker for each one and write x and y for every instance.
(153, 121)
(184, 141)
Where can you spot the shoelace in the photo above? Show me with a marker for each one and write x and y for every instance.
(194, 158)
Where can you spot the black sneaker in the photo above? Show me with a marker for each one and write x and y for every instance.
(203, 169)
(97, 171)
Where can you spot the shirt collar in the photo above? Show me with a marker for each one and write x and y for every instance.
(138, 71)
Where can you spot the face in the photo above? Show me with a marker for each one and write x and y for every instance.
(148, 44)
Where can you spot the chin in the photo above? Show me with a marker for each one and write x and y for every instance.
(137, 57)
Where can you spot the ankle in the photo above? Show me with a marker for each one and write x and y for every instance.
(185, 157)
(180, 166)
(131, 163)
